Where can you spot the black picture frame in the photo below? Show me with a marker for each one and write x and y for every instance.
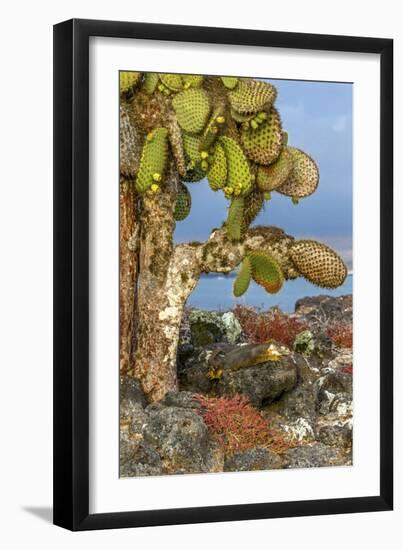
(71, 274)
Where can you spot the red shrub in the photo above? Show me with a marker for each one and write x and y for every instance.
(341, 334)
(262, 326)
(237, 426)
(348, 369)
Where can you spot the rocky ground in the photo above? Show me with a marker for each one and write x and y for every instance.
(246, 404)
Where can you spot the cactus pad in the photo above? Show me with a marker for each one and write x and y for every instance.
(241, 283)
(235, 217)
(191, 145)
(183, 203)
(271, 177)
(172, 81)
(266, 271)
(150, 83)
(241, 118)
(263, 144)
(127, 80)
(229, 81)
(318, 263)
(153, 159)
(239, 173)
(217, 174)
(192, 80)
(212, 129)
(251, 96)
(192, 109)
(252, 206)
(304, 177)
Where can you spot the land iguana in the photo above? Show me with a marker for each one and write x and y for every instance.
(243, 357)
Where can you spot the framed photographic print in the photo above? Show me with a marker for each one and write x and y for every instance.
(223, 326)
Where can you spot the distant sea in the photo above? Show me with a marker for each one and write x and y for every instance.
(214, 291)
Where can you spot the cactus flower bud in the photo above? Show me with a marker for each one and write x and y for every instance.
(157, 177)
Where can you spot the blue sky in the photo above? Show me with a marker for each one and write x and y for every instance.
(318, 119)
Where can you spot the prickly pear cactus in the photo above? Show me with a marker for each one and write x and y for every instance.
(266, 271)
(192, 108)
(153, 161)
(127, 80)
(318, 263)
(241, 283)
(235, 217)
(183, 203)
(225, 130)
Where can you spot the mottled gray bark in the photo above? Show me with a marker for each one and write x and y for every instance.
(169, 273)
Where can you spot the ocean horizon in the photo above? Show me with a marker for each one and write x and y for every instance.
(214, 292)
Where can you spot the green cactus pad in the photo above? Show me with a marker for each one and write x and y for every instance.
(212, 129)
(239, 173)
(271, 177)
(251, 96)
(191, 145)
(263, 144)
(266, 271)
(241, 118)
(183, 203)
(127, 80)
(304, 177)
(192, 80)
(241, 283)
(318, 263)
(194, 175)
(252, 206)
(230, 81)
(235, 217)
(172, 81)
(153, 159)
(192, 109)
(150, 83)
(217, 174)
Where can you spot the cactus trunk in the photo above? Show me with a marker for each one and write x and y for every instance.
(164, 284)
(129, 231)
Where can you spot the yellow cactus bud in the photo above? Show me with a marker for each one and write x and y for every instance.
(220, 119)
(254, 124)
(204, 154)
(155, 188)
(161, 87)
(150, 136)
(228, 190)
(204, 165)
(157, 177)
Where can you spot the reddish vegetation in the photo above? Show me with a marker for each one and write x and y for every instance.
(262, 326)
(348, 369)
(341, 334)
(237, 426)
